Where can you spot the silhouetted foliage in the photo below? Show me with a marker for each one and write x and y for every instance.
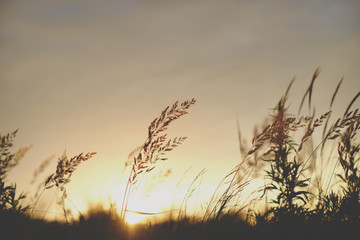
(294, 211)
(9, 202)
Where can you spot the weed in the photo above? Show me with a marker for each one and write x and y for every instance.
(8, 160)
(154, 148)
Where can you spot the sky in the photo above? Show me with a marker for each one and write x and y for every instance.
(82, 76)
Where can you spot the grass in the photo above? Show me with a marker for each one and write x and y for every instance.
(296, 201)
(62, 175)
(154, 148)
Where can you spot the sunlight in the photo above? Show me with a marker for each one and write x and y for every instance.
(133, 218)
(140, 205)
(144, 205)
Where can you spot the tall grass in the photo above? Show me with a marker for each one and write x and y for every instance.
(64, 170)
(9, 201)
(298, 198)
(154, 148)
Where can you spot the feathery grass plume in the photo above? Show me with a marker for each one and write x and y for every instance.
(64, 170)
(311, 127)
(5, 156)
(309, 90)
(9, 160)
(334, 131)
(41, 168)
(348, 119)
(8, 200)
(154, 147)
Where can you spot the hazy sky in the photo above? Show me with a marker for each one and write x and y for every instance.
(91, 76)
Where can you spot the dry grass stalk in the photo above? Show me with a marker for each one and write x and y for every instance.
(348, 119)
(64, 170)
(155, 147)
(311, 127)
(9, 160)
(61, 177)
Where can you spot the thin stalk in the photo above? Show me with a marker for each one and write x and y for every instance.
(32, 210)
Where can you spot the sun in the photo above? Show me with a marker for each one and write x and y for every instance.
(133, 218)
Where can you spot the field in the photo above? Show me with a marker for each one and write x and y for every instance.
(311, 188)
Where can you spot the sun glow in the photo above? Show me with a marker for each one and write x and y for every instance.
(140, 209)
(134, 218)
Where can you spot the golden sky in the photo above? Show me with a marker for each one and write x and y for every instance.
(91, 76)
